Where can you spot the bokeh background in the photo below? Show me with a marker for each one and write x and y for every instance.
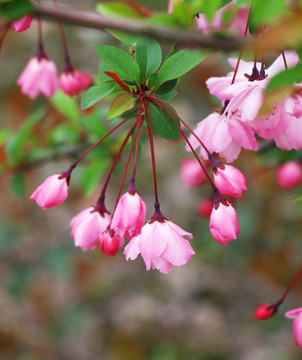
(57, 302)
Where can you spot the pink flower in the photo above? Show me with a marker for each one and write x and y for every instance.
(224, 225)
(191, 173)
(23, 23)
(229, 180)
(129, 215)
(205, 208)
(111, 242)
(39, 76)
(87, 227)
(264, 311)
(296, 314)
(162, 246)
(74, 81)
(289, 175)
(52, 192)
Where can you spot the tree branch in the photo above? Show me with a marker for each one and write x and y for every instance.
(181, 37)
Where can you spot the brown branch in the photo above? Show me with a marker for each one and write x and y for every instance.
(181, 37)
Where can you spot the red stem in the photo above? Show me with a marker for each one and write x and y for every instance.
(64, 43)
(191, 147)
(140, 120)
(291, 285)
(118, 80)
(152, 151)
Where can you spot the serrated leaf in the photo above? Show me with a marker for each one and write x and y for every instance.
(168, 96)
(117, 9)
(166, 87)
(148, 56)
(95, 94)
(162, 124)
(120, 104)
(102, 68)
(119, 61)
(179, 64)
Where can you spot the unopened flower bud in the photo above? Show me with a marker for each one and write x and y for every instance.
(264, 311)
(191, 173)
(205, 208)
(289, 175)
(229, 180)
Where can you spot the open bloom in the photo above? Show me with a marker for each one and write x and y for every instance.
(23, 23)
(39, 77)
(229, 180)
(110, 242)
(224, 225)
(162, 246)
(52, 192)
(129, 215)
(74, 81)
(87, 227)
(289, 175)
(296, 314)
(191, 173)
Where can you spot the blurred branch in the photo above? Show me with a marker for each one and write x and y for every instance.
(96, 21)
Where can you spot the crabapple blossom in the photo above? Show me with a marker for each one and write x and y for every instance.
(191, 173)
(129, 215)
(110, 242)
(161, 245)
(224, 225)
(229, 180)
(23, 23)
(289, 175)
(205, 208)
(73, 81)
(296, 314)
(52, 192)
(87, 226)
(264, 311)
(39, 77)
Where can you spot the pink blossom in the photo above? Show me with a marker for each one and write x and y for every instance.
(264, 311)
(191, 173)
(229, 180)
(87, 226)
(52, 192)
(129, 215)
(205, 208)
(291, 138)
(74, 81)
(23, 23)
(224, 225)
(39, 76)
(162, 246)
(289, 175)
(296, 314)
(110, 242)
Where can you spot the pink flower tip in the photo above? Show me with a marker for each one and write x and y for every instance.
(73, 81)
(264, 311)
(22, 24)
(229, 180)
(52, 192)
(289, 175)
(191, 173)
(224, 225)
(296, 315)
(110, 242)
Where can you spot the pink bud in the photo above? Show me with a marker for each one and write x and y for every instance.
(23, 23)
(289, 175)
(129, 215)
(111, 242)
(39, 77)
(229, 180)
(264, 312)
(205, 208)
(296, 314)
(162, 246)
(87, 226)
(191, 173)
(224, 225)
(52, 192)
(73, 81)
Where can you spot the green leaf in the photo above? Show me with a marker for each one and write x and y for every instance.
(119, 61)
(15, 9)
(63, 134)
(162, 124)
(66, 105)
(168, 96)
(148, 56)
(286, 77)
(179, 64)
(120, 104)
(93, 123)
(18, 184)
(91, 176)
(95, 94)
(102, 68)
(117, 9)
(166, 87)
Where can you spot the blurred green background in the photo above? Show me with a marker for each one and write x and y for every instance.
(58, 302)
